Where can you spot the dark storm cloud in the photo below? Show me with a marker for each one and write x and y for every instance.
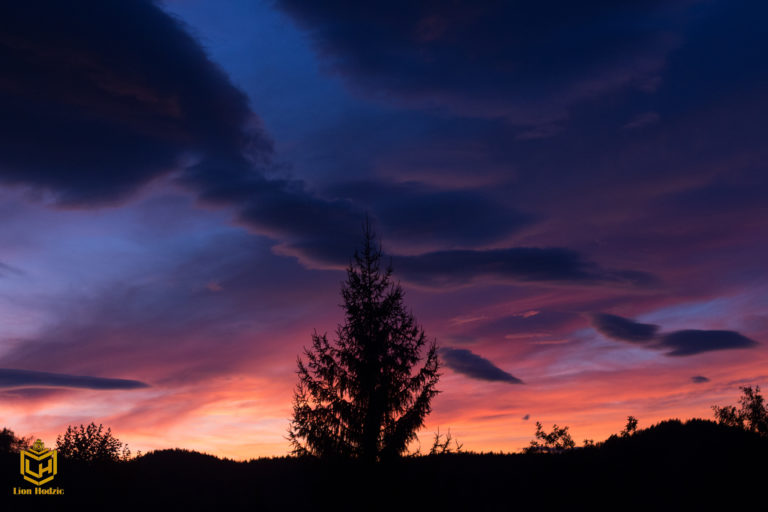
(317, 231)
(526, 61)
(693, 341)
(99, 98)
(619, 328)
(699, 379)
(10, 378)
(418, 213)
(521, 264)
(474, 366)
(686, 342)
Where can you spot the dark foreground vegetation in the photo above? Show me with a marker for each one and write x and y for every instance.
(669, 465)
(359, 403)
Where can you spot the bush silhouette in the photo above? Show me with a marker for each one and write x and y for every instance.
(361, 396)
(91, 443)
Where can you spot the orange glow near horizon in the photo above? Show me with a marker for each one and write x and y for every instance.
(243, 417)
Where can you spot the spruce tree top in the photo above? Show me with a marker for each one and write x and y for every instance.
(361, 396)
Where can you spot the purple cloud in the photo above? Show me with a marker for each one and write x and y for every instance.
(11, 378)
(474, 366)
(686, 342)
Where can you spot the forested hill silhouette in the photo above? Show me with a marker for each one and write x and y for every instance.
(672, 464)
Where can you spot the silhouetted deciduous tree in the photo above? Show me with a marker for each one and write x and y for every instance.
(91, 444)
(631, 427)
(556, 441)
(361, 396)
(752, 413)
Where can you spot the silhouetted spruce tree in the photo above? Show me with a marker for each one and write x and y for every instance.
(361, 396)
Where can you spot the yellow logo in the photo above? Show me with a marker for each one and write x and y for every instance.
(38, 464)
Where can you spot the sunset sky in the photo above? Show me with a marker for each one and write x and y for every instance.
(574, 196)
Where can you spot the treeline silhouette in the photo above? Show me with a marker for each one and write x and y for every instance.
(82, 443)
(673, 464)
